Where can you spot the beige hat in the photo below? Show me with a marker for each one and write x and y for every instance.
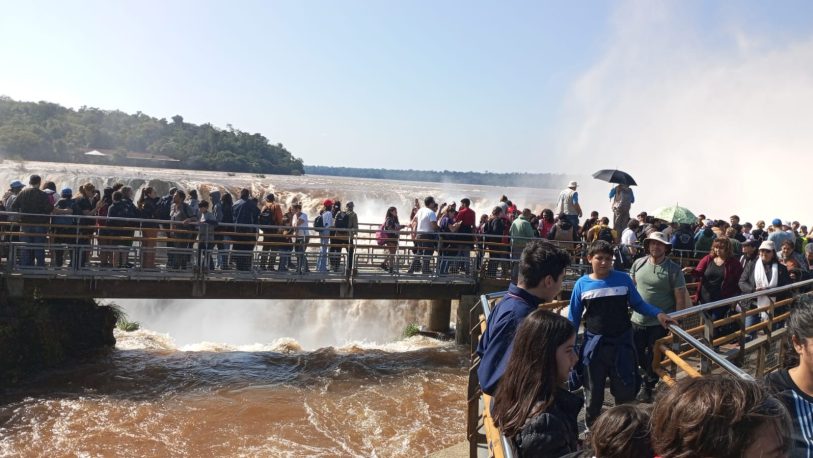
(660, 238)
(767, 245)
(573, 184)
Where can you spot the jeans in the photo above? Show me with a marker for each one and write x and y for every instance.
(301, 258)
(34, 235)
(321, 263)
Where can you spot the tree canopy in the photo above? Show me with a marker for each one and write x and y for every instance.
(523, 180)
(50, 132)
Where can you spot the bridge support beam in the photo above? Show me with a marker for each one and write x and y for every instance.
(463, 322)
(440, 312)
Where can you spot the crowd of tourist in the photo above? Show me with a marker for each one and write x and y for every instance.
(533, 365)
(227, 230)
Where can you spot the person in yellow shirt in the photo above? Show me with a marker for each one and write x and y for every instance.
(602, 231)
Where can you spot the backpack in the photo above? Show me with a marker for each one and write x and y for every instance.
(267, 217)
(381, 236)
(341, 221)
(319, 222)
(605, 234)
(163, 208)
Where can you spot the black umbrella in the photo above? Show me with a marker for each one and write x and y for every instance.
(615, 176)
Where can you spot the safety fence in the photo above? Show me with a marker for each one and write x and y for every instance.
(747, 341)
(97, 246)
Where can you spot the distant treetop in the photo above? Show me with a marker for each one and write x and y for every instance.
(50, 132)
(522, 180)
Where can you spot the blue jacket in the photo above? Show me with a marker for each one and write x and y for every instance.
(495, 345)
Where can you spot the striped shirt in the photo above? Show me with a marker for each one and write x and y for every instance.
(800, 407)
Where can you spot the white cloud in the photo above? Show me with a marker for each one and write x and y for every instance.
(721, 125)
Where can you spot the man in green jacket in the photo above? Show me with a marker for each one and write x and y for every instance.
(521, 233)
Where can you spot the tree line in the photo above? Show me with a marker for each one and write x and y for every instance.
(524, 180)
(50, 132)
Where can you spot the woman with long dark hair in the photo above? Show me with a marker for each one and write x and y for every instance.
(718, 275)
(389, 236)
(793, 385)
(531, 405)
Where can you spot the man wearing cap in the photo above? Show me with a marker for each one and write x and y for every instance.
(568, 204)
(323, 223)
(779, 235)
(660, 282)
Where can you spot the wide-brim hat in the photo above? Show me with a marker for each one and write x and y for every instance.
(767, 245)
(573, 184)
(16, 184)
(657, 237)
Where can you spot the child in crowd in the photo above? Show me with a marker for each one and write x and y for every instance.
(605, 297)
(719, 416)
(530, 404)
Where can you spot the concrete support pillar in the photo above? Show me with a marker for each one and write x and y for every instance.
(463, 324)
(440, 312)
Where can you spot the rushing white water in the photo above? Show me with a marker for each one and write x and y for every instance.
(262, 325)
(372, 197)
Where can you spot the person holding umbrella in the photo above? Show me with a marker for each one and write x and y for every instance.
(622, 199)
(621, 196)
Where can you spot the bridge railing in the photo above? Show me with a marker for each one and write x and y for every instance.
(746, 343)
(99, 245)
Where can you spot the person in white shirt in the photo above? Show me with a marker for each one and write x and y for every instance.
(424, 231)
(324, 234)
(629, 241)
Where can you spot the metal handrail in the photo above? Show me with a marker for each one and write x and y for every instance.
(712, 305)
(709, 353)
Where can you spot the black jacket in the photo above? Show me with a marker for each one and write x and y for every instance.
(800, 406)
(748, 284)
(555, 432)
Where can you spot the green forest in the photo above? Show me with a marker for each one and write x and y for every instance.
(44, 131)
(523, 180)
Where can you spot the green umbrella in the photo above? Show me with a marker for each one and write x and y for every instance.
(675, 214)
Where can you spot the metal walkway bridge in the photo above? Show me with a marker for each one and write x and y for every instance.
(98, 257)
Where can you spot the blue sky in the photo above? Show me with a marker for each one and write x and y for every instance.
(389, 84)
(500, 86)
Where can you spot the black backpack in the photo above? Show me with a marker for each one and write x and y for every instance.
(341, 221)
(605, 234)
(163, 208)
(319, 222)
(267, 217)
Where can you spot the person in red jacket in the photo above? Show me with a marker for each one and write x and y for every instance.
(718, 275)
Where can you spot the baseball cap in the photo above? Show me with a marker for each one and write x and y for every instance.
(776, 222)
(327, 203)
(66, 192)
(17, 184)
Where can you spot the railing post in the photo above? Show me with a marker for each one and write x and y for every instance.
(708, 334)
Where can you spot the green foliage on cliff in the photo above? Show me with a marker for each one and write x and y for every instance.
(49, 132)
(522, 180)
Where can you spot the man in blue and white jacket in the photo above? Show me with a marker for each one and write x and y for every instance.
(604, 298)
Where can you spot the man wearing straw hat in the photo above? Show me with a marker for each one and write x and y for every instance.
(660, 282)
